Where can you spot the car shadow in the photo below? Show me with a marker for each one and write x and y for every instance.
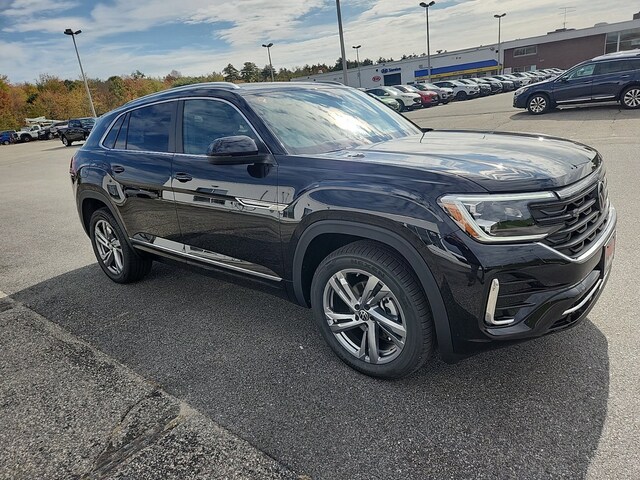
(597, 112)
(257, 365)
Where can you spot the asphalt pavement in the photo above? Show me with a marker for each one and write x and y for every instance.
(562, 406)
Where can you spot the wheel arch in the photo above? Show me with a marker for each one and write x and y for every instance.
(91, 200)
(357, 231)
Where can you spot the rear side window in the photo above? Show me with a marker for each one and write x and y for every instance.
(610, 67)
(150, 127)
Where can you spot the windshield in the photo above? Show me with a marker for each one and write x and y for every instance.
(320, 120)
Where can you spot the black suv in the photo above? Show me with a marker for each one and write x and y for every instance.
(611, 77)
(399, 238)
(77, 130)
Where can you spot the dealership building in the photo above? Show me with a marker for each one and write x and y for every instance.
(561, 48)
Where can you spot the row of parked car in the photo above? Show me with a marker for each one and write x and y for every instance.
(73, 130)
(420, 95)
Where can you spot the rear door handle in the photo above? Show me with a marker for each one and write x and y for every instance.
(118, 169)
(183, 177)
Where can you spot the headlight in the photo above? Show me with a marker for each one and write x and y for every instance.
(521, 90)
(497, 218)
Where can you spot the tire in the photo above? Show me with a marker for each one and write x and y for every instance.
(118, 260)
(461, 95)
(630, 97)
(402, 106)
(400, 307)
(5, 142)
(65, 141)
(538, 104)
(48, 136)
(25, 138)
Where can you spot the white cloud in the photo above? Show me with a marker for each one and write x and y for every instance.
(388, 28)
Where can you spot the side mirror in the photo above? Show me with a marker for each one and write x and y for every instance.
(236, 149)
(562, 79)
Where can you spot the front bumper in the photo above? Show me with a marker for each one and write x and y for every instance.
(541, 290)
(520, 101)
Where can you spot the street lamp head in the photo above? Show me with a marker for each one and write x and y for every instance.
(268, 45)
(68, 31)
(356, 46)
(500, 16)
(427, 5)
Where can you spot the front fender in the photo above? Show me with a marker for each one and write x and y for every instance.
(399, 243)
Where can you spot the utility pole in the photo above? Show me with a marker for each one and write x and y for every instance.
(268, 47)
(73, 34)
(499, 17)
(344, 56)
(426, 10)
(357, 47)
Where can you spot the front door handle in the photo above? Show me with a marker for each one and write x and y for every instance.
(118, 169)
(183, 177)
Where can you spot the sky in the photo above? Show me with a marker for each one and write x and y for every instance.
(196, 37)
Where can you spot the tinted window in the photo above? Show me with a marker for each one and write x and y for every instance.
(150, 127)
(121, 142)
(207, 120)
(110, 139)
(583, 71)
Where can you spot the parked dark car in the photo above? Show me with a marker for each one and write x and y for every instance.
(77, 130)
(611, 77)
(399, 238)
(51, 131)
(496, 87)
(8, 137)
(507, 85)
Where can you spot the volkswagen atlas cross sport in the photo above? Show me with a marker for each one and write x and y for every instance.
(607, 78)
(400, 239)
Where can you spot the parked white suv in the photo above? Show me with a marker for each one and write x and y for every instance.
(407, 101)
(461, 91)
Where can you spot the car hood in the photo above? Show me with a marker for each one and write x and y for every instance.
(497, 161)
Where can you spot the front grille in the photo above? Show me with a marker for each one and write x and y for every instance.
(580, 218)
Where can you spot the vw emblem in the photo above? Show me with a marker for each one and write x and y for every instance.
(364, 315)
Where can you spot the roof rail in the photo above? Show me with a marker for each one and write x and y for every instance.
(227, 85)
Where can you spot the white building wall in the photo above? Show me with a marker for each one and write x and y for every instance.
(374, 75)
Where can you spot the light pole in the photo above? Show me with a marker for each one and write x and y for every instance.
(344, 57)
(268, 47)
(426, 10)
(357, 47)
(499, 17)
(73, 34)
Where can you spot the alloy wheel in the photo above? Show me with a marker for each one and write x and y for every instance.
(538, 104)
(109, 247)
(632, 98)
(364, 316)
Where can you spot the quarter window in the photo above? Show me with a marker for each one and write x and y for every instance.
(110, 139)
(150, 127)
(207, 120)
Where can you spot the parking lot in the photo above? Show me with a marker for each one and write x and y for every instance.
(562, 406)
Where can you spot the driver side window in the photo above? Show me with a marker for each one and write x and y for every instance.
(583, 71)
(207, 120)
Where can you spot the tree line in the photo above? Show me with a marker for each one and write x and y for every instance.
(58, 99)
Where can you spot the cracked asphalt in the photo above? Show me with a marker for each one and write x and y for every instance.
(263, 395)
